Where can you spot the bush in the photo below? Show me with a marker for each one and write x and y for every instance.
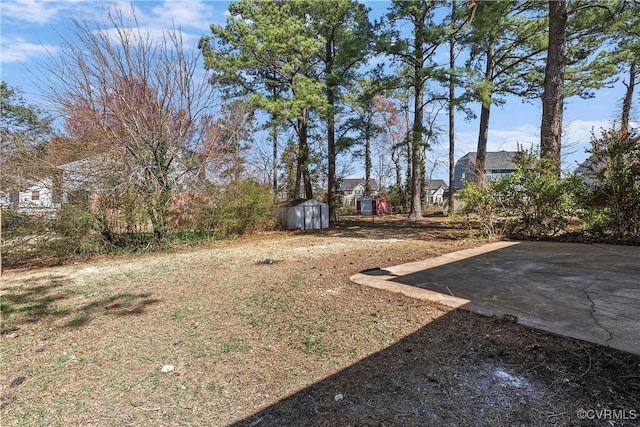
(191, 212)
(16, 224)
(244, 206)
(531, 201)
(613, 200)
(73, 221)
(538, 202)
(485, 204)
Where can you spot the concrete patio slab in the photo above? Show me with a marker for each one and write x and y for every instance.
(585, 291)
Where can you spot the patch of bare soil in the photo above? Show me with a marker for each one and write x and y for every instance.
(268, 330)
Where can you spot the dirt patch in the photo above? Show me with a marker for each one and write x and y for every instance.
(287, 342)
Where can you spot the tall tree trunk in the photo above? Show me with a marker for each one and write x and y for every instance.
(331, 162)
(416, 159)
(159, 211)
(553, 95)
(452, 112)
(395, 157)
(415, 211)
(483, 133)
(162, 189)
(237, 167)
(295, 194)
(331, 135)
(274, 134)
(303, 154)
(367, 155)
(628, 97)
(409, 172)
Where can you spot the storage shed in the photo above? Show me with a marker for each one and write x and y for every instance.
(304, 215)
(373, 205)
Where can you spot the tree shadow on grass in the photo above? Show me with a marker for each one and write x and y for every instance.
(32, 300)
(464, 369)
(49, 298)
(124, 304)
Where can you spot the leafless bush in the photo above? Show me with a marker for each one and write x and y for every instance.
(146, 102)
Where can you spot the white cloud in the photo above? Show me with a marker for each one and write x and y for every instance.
(525, 136)
(576, 139)
(47, 12)
(33, 11)
(579, 131)
(194, 14)
(191, 18)
(20, 50)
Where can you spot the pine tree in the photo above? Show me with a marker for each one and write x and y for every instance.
(266, 45)
(415, 52)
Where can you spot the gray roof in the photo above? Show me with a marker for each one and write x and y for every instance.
(434, 184)
(495, 160)
(588, 169)
(349, 184)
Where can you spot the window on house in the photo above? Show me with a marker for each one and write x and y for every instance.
(35, 195)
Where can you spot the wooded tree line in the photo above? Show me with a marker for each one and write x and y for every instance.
(319, 67)
(325, 78)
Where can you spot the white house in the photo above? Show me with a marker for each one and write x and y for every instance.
(352, 189)
(39, 198)
(435, 192)
(106, 173)
(6, 201)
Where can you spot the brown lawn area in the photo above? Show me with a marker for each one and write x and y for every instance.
(268, 330)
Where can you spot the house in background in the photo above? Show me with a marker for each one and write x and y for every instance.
(588, 170)
(40, 198)
(8, 201)
(435, 191)
(352, 189)
(88, 174)
(496, 165)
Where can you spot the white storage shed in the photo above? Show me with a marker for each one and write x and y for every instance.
(304, 215)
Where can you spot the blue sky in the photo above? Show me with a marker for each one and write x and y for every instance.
(31, 29)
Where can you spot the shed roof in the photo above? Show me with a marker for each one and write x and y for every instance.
(296, 202)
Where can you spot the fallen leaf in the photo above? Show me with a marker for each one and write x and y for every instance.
(112, 306)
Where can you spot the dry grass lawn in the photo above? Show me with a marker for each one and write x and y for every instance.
(268, 330)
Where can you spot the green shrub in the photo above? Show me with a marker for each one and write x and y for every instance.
(613, 200)
(243, 207)
(538, 202)
(484, 203)
(531, 201)
(73, 221)
(16, 224)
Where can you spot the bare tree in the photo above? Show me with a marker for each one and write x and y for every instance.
(145, 99)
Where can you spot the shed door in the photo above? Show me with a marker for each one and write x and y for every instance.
(312, 217)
